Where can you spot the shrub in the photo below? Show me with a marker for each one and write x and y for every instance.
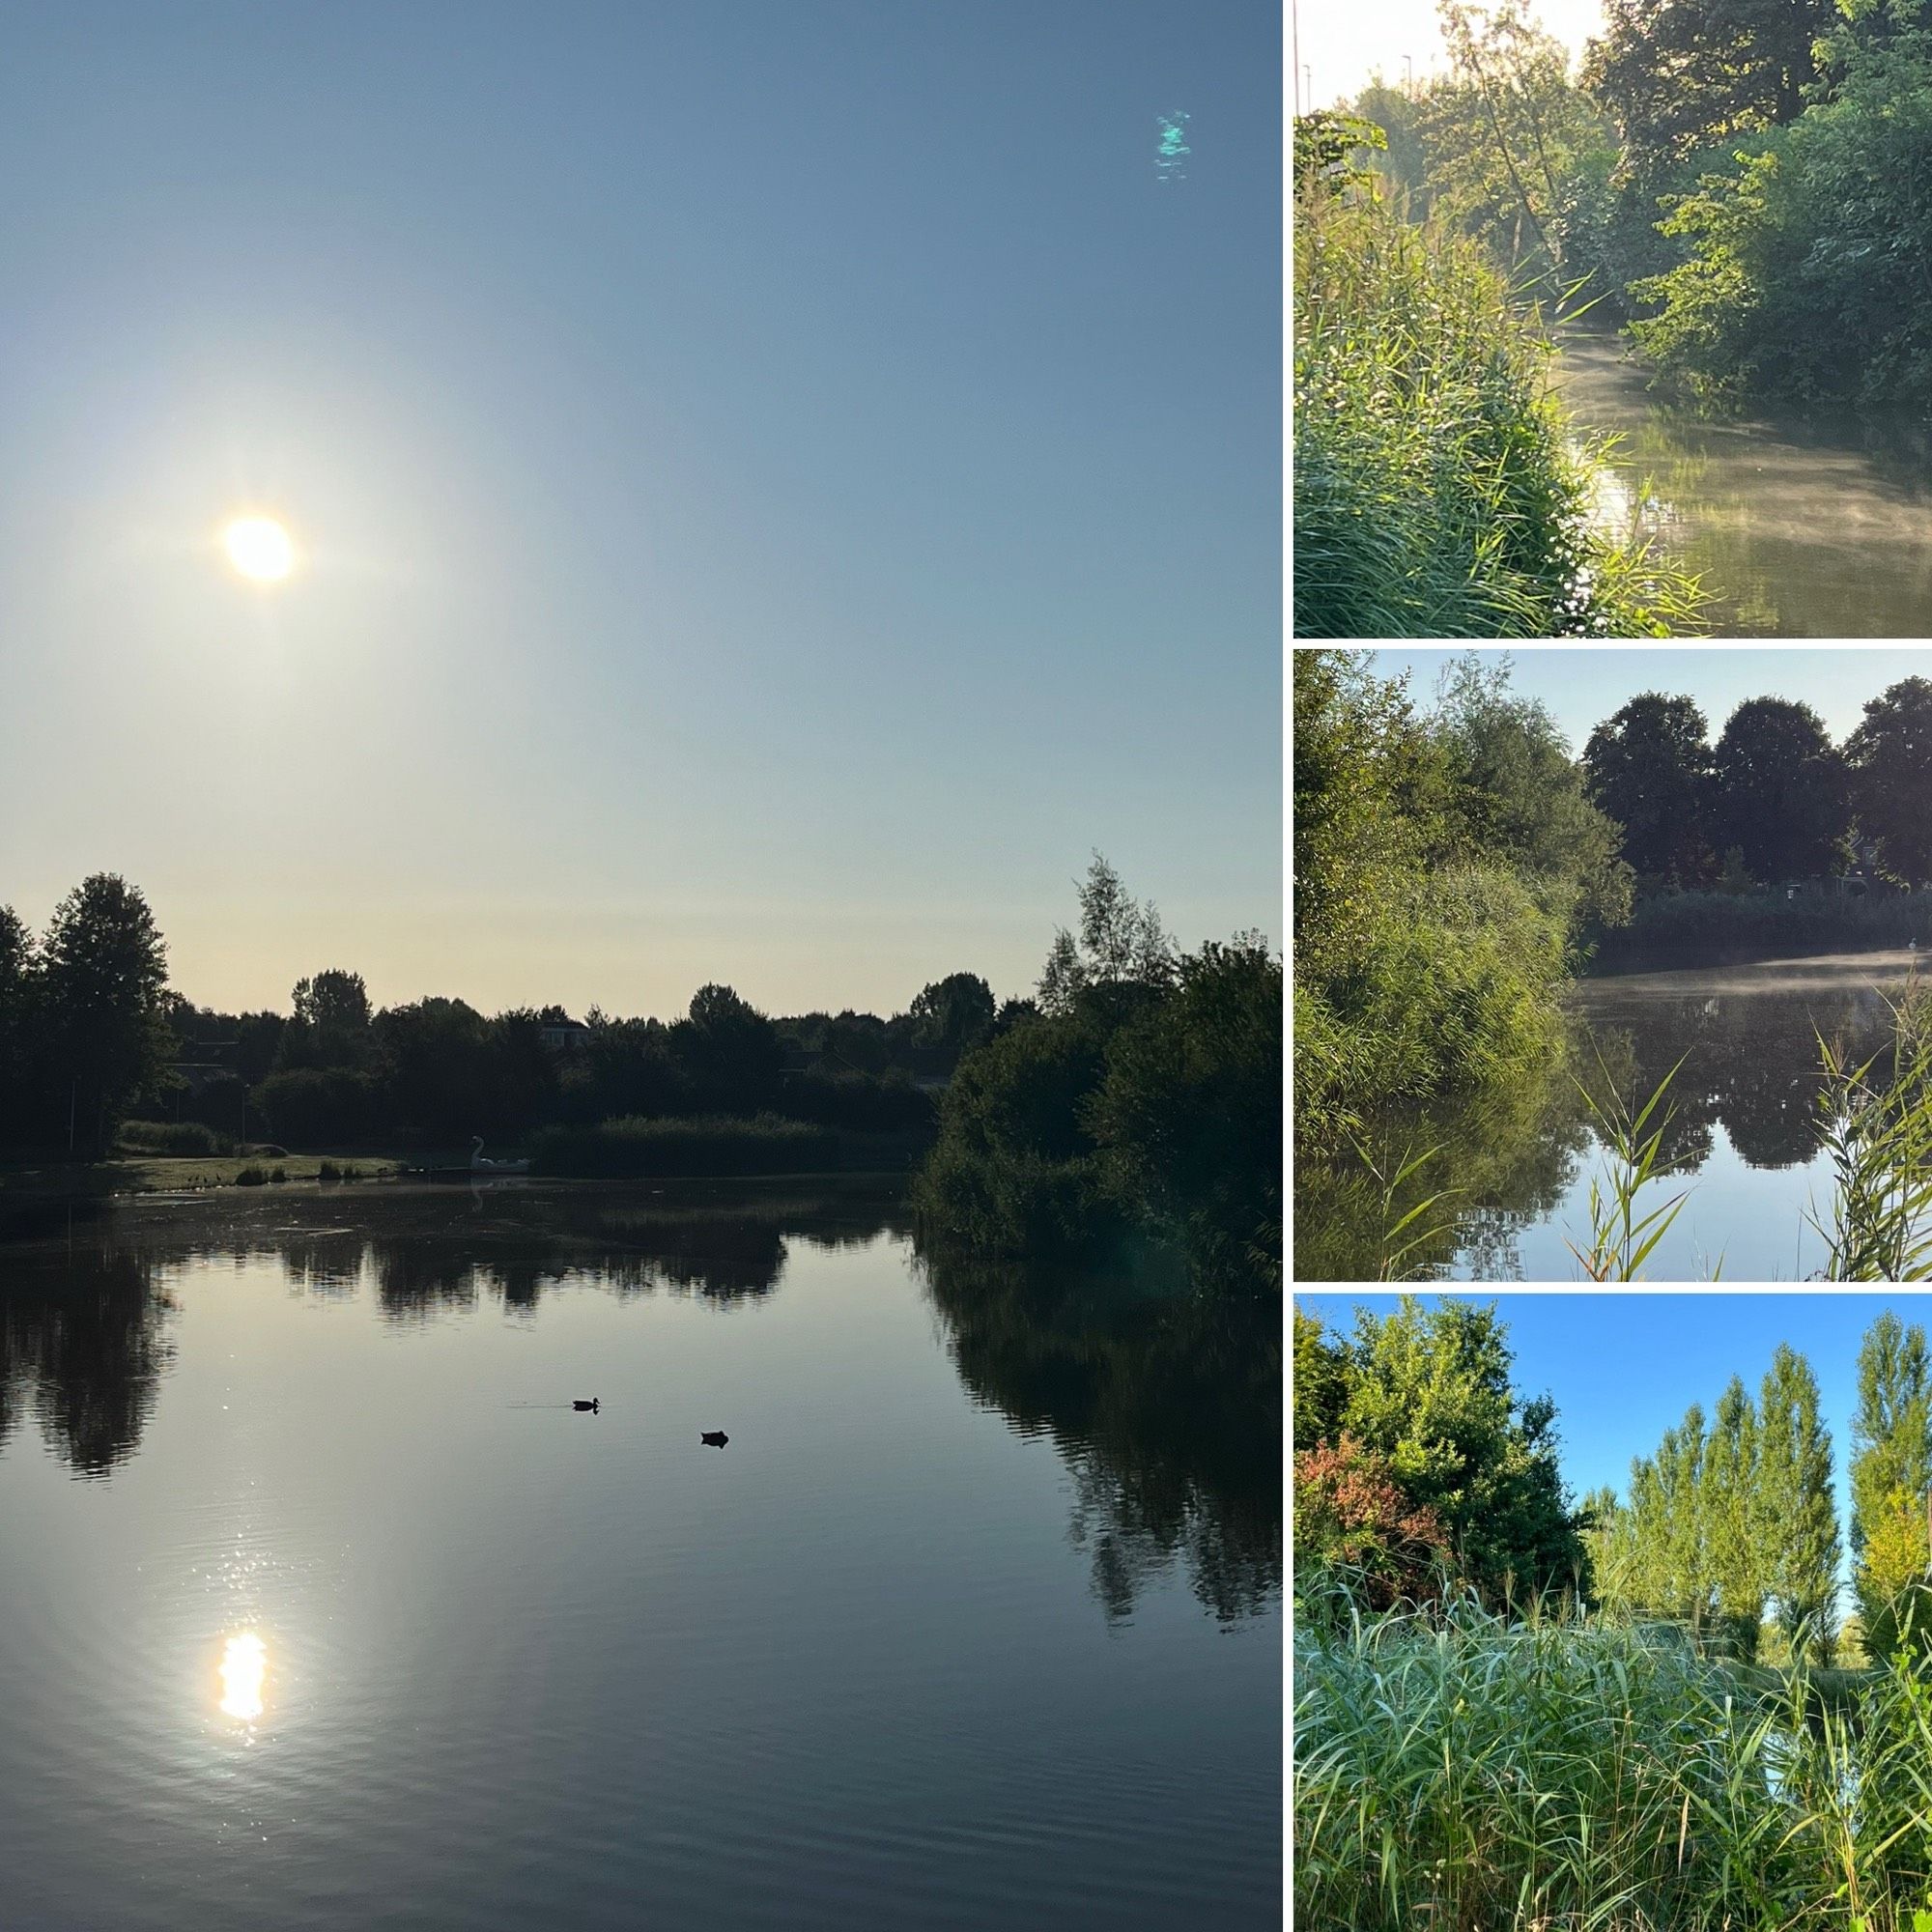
(252, 1177)
(172, 1137)
(319, 1105)
(1349, 1511)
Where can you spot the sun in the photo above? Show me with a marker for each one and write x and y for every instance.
(259, 548)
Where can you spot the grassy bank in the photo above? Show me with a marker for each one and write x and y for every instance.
(1472, 1773)
(1686, 929)
(1438, 490)
(640, 1149)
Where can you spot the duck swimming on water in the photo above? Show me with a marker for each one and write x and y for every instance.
(714, 1436)
(591, 1405)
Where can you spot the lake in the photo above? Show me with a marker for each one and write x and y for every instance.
(1743, 1131)
(323, 1608)
(1815, 525)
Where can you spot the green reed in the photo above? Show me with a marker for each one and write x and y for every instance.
(1457, 1770)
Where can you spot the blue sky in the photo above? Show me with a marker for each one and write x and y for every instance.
(1584, 687)
(776, 486)
(1623, 1367)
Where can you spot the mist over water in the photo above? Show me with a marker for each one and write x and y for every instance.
(1801, 525)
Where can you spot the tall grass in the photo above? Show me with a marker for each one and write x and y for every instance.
(1469, 1773)
(1439, 492)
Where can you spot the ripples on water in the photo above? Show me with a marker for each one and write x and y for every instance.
(322, 1608)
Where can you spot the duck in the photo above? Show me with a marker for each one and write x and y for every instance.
(591, 1405)
(715, 1437)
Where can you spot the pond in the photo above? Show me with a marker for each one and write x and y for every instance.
(1814, 526)
(1743, 1133)
(323, 1607)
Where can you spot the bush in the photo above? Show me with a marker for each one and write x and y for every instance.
(172, 1137)
(252, 1177)
(864, 1101)
(1439, 492)
(639, 1149)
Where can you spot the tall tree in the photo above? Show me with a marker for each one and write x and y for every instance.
(1890, 759)
(1797, 1516)
(1676, 75)
(1121, 945)
(1891, 1464)
(1782, 797)
(1737, 1553)
(951, 1014)
(1649, 768)
(329, 1024)
(1430, 1391)
(104, 1031)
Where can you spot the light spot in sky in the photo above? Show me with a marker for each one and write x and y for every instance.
(1170, 161)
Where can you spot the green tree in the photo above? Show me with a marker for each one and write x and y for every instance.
(1890, 759)
(1121, 947)
(1512, 790)
(729, 1050)
(1781, 795)
(329, 1022)
(1677, 75)
(1738, 1557)
(1187, 1114)
(18, 988)
(1797, 1516)
(1431, 1393)
(104, 1036)
(1891, 1465)
(1649, 769)
(1322, 1376)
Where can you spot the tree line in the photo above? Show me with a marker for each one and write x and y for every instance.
(90, 1035)
(1417, 1460)
(1134, 1095)
(1741, 184)
(1773, 798)
(1727, 1521)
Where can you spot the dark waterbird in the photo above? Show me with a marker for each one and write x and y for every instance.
(714, 1436)
(590, 1404)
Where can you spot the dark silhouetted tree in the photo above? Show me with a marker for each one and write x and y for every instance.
(1782, 797)
(1890, 756)
(1649, 769)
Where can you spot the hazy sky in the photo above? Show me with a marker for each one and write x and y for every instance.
(777, 484)
(1583, 687)
(1623, 1367)
(1345, 42)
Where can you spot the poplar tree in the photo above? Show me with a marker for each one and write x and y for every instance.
(1892, 1469)
(1797, 1515)
(1734, 1553)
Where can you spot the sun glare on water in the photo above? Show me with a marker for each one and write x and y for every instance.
(259, 548)
(244, 1664)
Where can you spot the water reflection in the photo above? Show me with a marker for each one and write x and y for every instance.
(244, 1668)
(1817, 526)
(1166, 1409)
(1745, 1042)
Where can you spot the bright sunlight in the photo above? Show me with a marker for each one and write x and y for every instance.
(244, 1664)
(259, 548)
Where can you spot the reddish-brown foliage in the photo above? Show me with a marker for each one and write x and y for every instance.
(1348, 1508)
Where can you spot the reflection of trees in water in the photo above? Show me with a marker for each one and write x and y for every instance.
(84, 1327)
(1750, 1061)
(82, 1349)
(1749, 1067)
(1508, 1155)
(1166, 1410)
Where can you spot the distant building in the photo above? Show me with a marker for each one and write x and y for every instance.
(566, 1036)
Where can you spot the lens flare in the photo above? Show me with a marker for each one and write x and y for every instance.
(244, 1664)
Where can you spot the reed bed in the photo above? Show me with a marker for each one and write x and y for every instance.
(1464, 1772)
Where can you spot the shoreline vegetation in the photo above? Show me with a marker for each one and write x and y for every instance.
(1514, 1709)
(1127, 1113)
(1439, 490)
(1457, 868)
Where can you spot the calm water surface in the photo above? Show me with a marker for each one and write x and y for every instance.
(1743, 1131)
(322, 1606)
(1805, 527)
